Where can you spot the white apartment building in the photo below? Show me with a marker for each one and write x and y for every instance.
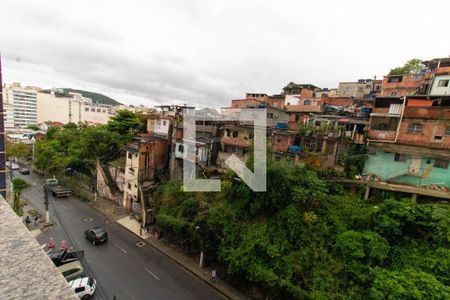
(72, 107)
(20, 105)
(24, 106)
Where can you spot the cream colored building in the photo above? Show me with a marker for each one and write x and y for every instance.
(70, 108)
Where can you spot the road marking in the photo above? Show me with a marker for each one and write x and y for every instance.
(150, 272)
(120, 248)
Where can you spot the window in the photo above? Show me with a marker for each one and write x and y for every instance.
(394, 93)
(130, 156)
(235, 134)
(79, 289)
(270, 115)
(99, 110)
(129, 186)
(443, 83)
(93, 109)
(441, 163)
(165, 123)
(227, 132)
(438, 137)
(307, 102)
(399, 157)
(86, 109)
(180, 148)
(415, 128)
(383, 126)
(447, 131)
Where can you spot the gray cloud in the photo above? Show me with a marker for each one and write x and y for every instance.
(208, 52)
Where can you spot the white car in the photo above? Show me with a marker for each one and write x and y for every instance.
(13, 166)
(84, 287)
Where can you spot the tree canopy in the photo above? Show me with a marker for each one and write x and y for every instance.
(78, 146)
(412, 66)
(304, 238)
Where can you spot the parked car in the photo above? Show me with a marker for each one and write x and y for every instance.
(13, 166)
(60, 258)
(24, 171)
(72, 270)
(84, 287)
(96, 235)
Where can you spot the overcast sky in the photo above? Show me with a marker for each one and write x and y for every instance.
(208, 52)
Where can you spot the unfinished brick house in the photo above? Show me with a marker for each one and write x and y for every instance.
(409, 142)
(253, 100)
(401, 85)
(146, 158)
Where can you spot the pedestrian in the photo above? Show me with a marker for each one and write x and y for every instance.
(63, 245)
(27, 220)
(114, 297)
(51, 243)
(147, 229)
(36, 220)
(213, 275)
(140, 231)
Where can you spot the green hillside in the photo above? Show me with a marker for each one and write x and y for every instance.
(96, 97)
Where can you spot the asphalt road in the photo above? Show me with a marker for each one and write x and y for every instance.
(120, 267)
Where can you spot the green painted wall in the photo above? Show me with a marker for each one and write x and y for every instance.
(383, 165)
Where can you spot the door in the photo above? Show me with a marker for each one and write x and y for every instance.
(414, 166)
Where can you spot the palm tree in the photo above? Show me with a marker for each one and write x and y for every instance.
(18, 186)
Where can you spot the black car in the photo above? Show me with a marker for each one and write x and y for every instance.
(24, 171)
(96, 235)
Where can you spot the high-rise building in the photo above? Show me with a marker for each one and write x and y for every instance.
(20, 105)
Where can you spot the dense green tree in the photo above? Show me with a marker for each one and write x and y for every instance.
(411, 66)
(18, 185)
(299, 241)
(17, 150)
(33, 127)
(125, 122)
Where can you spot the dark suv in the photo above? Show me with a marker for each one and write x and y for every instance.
(96, 235)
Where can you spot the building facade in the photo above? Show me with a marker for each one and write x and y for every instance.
(409, 141)
(20, 105)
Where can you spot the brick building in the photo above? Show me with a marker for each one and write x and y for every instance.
(402, 85)
(409, 141)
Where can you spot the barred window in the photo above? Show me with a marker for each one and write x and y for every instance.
(415, 128)
(441, 163)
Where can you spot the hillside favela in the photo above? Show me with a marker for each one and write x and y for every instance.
(236, 165)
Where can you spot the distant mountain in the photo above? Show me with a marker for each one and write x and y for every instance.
(96, 97)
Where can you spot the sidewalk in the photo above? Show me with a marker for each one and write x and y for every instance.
(182, 259)
(36, 228)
